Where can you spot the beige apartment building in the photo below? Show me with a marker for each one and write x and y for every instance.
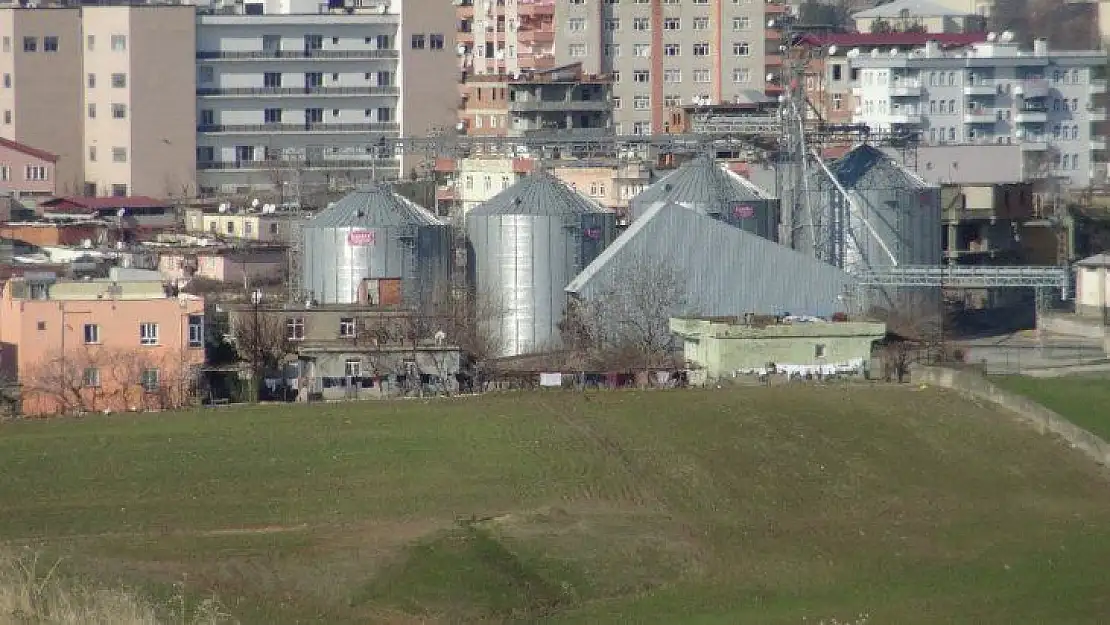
(92, 85)
(666, 53)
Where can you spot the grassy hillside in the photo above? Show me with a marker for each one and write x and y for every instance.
(762, 505)
(1083, 400)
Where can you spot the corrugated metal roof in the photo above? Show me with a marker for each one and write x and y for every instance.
(728, 271)
(869, 167)
(538, 193)
(374, 206)
(701, 181)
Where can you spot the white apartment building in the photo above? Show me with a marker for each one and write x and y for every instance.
(1047, 103)
(295, 92)
(666, 53)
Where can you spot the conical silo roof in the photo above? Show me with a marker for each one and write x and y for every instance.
(374, 206)
(702, 182)
(868, 167)
(539, 194)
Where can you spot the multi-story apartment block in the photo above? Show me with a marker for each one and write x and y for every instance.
(88, 85)
(1049, 103)
(665, 53)
(298, 93)
(499, 37)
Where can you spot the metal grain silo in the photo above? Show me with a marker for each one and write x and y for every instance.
(376, 247)
(703, 185)
(528, 242)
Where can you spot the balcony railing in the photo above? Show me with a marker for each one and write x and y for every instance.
(296, 54)
(275, 91)
(309, 164)
(302, 127)
(569, 106)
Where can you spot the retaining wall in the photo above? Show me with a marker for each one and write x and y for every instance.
(974, 384)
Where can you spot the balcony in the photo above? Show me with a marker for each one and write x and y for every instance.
(980, 116)
(1097, 85)
(570, 106)
(1096, 114)
(904, 89)
(535, 9)
(310, 91)
(1098, 143)
(772, 60)
(266, 55)
(981, 88)
(311, 164)
(909, 117)
(1036, 88)
(535, 35)
(530, 61)
(301, 127)
(464, 11)
(1031, 116)
(1035, 144)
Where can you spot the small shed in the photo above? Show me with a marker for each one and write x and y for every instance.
(1092, 286)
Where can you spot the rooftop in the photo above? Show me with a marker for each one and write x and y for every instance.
(909, 8)
(538, 193)
(846, 41)
(374, 206)
(28, 150)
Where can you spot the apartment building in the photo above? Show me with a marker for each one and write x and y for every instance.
(120, 343)
(665, 53)
(27, 171)
(1048, 103)
(931, 16)
(499, 37)
(88, 85)
(295, 92)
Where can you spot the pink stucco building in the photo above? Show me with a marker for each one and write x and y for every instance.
(124, 343)
(25, 169)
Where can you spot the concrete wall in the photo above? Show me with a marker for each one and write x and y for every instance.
(1070, 325)
(974, 385)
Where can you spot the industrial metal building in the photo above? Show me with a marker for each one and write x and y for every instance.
(375, 247)
(726, 271)
(712, 189)
(528, 242)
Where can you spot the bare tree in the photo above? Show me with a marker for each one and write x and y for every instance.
(630, 319)
(262, 340)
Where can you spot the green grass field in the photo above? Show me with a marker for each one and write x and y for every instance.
(761, 505)
(1083, 400)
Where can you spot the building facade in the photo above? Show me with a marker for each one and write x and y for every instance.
(87, 346)
(300, 94)
(27, 171)
(502, 38)
(665, 53)
(116, 126)
(1048, 103)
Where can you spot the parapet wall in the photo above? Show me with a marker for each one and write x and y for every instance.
(974, 384)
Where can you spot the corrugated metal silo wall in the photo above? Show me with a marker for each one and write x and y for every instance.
(523, 263)
(598, 231)
(433, 263)
(764, 220)
(333, 267)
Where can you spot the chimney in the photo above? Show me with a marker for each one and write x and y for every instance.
(1040, 47)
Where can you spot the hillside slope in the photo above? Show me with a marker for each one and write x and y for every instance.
(764, 505)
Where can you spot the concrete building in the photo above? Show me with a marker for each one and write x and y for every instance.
(121, 343)
(663, 53)
(132, 218)
(931, 16)
(502, 38)
(1092, 287)
(240, 265)
(724, 348)
(239, 225)
(297, 93)
(27, 171)
(116, 126)
(1048, 103)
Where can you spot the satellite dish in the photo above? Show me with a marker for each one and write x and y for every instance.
(992, 37)
(121, 212)
(770, 77)
(383, 9)
(460, 126)
(255, 203)
(832, 49)
(770, 23)
(1006, 37)
(461, 49)
(853, 53)
(874, 53)
(223, 208)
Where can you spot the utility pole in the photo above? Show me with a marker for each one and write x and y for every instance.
(256, 348)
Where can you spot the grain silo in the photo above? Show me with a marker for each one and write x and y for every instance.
(529, 241)
(703, 185)
(375, 247)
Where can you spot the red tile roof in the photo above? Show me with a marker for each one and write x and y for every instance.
(101, 203)
(28, 150)
(892, 39)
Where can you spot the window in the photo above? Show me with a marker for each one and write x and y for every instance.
(49, 44)
(617, 103)
(819, 350)
(741, 48)
(7, 116)
(91, 377)
(417, 42)
(119, 43)
(119, 155)
(119, 190)
(271, 116)
(701, 23)
(742, 75)
(702, 75)
(92, 334)
(352, 368)
(148, 333)
(641, 75)
(119, 111)
(612, 49)
(230, 227)
(576, 24)
(641, 103)
(91, 81)
(672, 75)
(294, 328)
(641, 23)
(701, 49)
(837, 101)
(149, 380)
(7, 81)
(92, 153)
(612, 24)
(672, 49)
(5, 173)
(672, 23)
(741, 23)
(641, 50)
(35, 173)
(271, 80)
(30, 44)
(435, 41)
(90, 42)
(346, 327)
(119, 81)
(577, 50)
(837, 71)
(196, 330)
